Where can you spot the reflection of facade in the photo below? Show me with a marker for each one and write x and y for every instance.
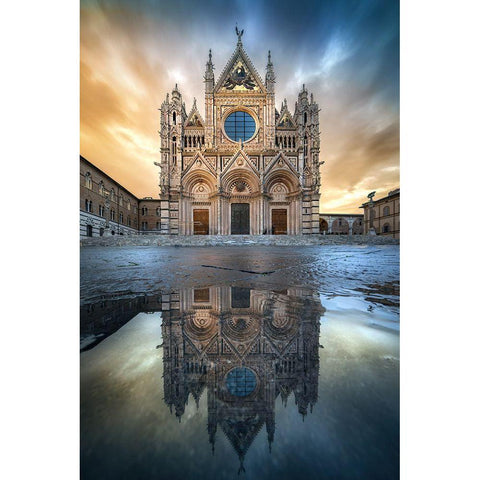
(245, 347)
(246, 168)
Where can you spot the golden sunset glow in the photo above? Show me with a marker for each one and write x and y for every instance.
(133, 53)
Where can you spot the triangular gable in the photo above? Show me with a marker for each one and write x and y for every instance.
(240, 160)
(194, 118)
(281, 161)
(239, 75)
(286, 121)
(197, 162)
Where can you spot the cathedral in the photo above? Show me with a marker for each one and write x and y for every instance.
(244, 347)
(245, 168)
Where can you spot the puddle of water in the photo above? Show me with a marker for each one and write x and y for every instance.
(225, 380)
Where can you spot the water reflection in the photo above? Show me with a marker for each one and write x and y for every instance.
(245, 347)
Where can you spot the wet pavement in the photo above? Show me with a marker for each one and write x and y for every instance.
(263, 362)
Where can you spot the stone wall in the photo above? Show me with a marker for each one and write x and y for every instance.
(224, 240)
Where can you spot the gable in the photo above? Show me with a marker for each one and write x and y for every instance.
(240, 75)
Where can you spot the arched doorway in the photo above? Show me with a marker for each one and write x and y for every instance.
(279, 221)
(323, 226)
(200, 221)
(357, 227)
(340, 226)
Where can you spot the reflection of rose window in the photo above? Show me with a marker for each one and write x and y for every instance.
(241, 381)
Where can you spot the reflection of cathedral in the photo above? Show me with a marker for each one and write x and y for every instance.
(246, 168)
(245, 347)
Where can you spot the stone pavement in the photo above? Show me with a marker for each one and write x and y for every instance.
(225, 240)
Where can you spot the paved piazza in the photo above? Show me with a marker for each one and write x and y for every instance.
(266, 362)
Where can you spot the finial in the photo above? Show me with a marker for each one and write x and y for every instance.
(210, 55)
(269, 57)
(239, 34)
(194, 102)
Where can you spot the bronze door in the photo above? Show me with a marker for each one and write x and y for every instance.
(279, 221)
(240, 219)
(200, 222)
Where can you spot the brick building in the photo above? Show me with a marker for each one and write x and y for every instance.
(382, 216)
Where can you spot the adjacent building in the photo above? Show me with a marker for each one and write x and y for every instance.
(382, 216)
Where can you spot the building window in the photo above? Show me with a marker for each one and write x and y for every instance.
(88, 205)
(88, 180)
(121, 217)
(386, 228)
(112, 195)
(89, 231)
(144, 211)
(158, 225)
(158, 211)
(128, 205)
(174, 117)
(305, 118)
(101, 210)
(240, 126)
(102, 230)
(112, 214)
(120, 200)
(129, 222)
(386, 211)
(144, 226)
(134, 209)
(102, 189)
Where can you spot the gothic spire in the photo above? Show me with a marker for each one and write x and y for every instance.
(270, 76)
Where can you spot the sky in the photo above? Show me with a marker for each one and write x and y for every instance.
(345, 52)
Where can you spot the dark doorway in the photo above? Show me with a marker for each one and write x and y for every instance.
(200, 222)
(240, 297)
(279, 221)
(89, 231)
(240, 219)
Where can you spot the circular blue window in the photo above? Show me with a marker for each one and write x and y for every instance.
(241, 382)
(240, 126)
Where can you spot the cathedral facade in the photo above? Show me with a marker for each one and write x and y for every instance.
(246, 168)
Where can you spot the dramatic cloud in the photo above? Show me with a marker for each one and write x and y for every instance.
(346, 53)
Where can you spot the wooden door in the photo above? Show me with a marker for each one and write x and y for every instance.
(200, 222)
(279, 221)
(240, 219)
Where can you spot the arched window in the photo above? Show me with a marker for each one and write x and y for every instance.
(128, 205)
(86, 205)
(101, 189)
(386, 211)
(88, 180)
(174, 150)
(144, 211)
(158, 211)
(121, 217)
(112, 214)
(174, 117)
(101, 210)
(305, 118)
(112, 195)
(120, 200)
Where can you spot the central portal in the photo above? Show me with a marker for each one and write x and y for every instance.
(240, 219)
